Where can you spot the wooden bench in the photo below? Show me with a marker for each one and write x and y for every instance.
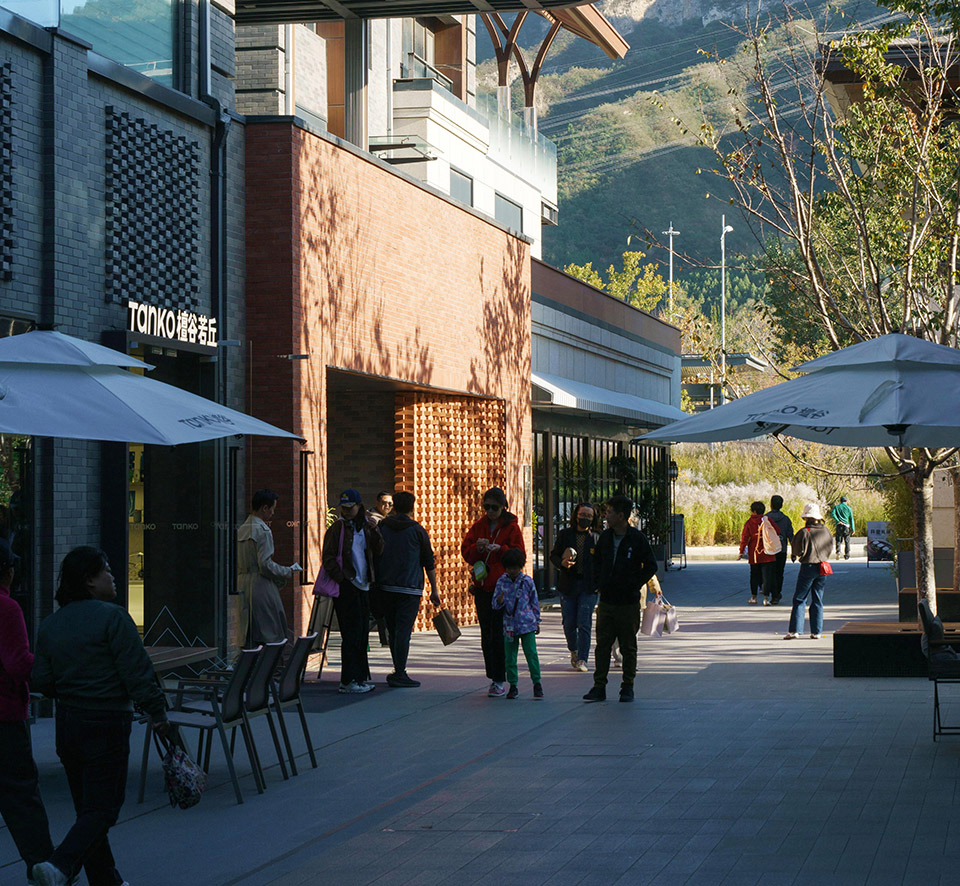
(883, 648)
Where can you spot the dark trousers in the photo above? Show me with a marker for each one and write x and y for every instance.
(20, 804)
(491, 637)
(843, 535)
(93, 747)
(617, 623)
(769, 571)
(756, 579)
(353, 617)
(781, 565)
(400, 614)
(576, 610)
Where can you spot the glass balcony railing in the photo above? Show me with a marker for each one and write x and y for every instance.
(139, 35)
(531, 156)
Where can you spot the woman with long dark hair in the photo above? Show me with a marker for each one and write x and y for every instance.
(356, 539)
(485, 543)
(572, 555)
(91, 659)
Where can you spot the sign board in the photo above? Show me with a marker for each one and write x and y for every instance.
(879, 546)
(174, 325)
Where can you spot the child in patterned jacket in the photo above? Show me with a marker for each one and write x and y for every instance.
(516, 595)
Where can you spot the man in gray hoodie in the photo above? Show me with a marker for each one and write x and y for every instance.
(407, 554)
(786, 535)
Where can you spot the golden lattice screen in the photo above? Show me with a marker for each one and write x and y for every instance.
(450, 450)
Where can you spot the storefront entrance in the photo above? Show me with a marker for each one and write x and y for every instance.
(172, 522)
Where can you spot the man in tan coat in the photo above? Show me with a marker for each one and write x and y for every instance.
(261, 611)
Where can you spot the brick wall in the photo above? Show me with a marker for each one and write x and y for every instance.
(367, 271)
(363, 457)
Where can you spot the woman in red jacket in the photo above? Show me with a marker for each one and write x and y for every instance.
(20, 803)
(482, 548)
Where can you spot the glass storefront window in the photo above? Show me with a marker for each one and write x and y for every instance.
(139, 35)
(171, 529)
(570, 469)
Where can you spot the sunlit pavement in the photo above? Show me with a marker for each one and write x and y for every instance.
(742, 761)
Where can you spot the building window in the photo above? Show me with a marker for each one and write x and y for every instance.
(508, 213)
(139, 35)
(461, 187)
(419, 52)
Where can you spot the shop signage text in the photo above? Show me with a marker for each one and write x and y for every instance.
(184, 326)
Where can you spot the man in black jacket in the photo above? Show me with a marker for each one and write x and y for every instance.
(406, 555)
(623, 564)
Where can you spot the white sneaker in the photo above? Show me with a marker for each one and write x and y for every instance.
(816, 636)
(790, 636)
(354, 688)
(497, 690)
(582, 666)
(574, 660)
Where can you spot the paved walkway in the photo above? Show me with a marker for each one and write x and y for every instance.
(742, 761)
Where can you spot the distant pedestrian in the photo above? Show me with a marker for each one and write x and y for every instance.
(623, 564)
(516, 595)
(484, 544)
(785, 526)
(842, 516)
(572, 554)
(407, 554)
(21, 806)
(91, 659)
(749, 546)
(811, 546)
(356, 538)
(380, 510)
(383, 507)
(259, 578)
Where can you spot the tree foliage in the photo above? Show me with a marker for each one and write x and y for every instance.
(635, 283)
(844, 157)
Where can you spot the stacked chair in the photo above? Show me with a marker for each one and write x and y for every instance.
(229, 700)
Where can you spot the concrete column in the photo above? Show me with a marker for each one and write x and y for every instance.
(355, 82)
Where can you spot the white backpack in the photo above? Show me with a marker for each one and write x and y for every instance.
(770, 537)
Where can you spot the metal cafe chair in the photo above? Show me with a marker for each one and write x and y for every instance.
(943, 665)
(257, 701)
(221, 709)
(286, 694)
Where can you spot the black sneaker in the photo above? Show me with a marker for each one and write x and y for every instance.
(626, 693)
(537, 690)
(598, 693)
(402, 681)
(513, 692)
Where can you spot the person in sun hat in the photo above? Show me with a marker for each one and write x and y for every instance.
(811, 546)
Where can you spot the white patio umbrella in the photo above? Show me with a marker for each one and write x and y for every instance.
(889, 391)
(83, 396)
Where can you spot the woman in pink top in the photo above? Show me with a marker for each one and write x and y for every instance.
(20, 803)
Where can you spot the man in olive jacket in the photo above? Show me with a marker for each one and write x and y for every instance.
(623, 564)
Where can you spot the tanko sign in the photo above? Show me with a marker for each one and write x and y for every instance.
(176, 325)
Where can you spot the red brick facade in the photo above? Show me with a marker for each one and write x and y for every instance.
(370, 273)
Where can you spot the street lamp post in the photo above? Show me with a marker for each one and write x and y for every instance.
(723, 308)
(671, 234)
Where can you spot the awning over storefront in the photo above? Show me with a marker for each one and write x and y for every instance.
(564, 393)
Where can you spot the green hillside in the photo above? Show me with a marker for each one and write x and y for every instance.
(624, 165)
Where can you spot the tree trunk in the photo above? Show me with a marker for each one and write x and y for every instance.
(921, 486)
(955, 480)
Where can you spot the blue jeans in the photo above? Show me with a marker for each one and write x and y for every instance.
(577, 612)
(808, 581)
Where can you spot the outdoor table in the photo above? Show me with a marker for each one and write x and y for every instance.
(167, 658)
